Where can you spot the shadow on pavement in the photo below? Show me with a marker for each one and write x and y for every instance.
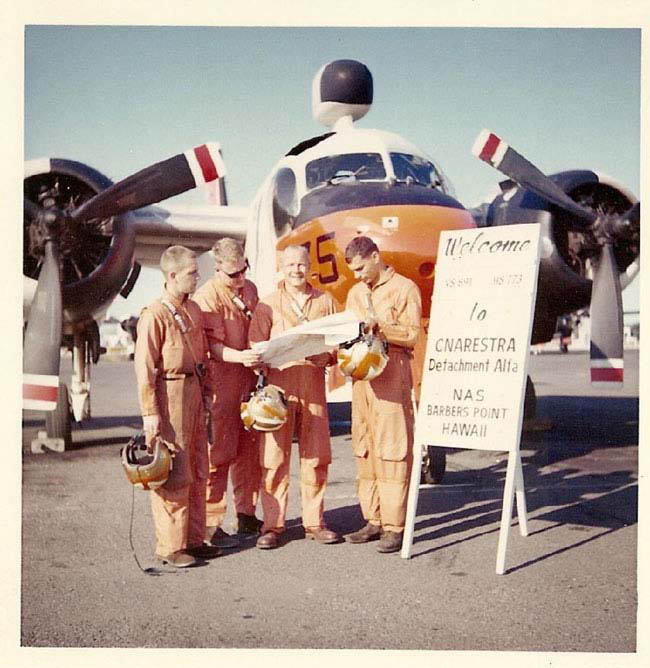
(580, 425)
(443, 515)
(469, 504)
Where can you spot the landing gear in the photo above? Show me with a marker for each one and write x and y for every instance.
(530, 400)
(85, 350)
(72, 403)
(58, 421)
(531, 420)
(434, 465)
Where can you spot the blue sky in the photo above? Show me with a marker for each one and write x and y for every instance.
(120, 98)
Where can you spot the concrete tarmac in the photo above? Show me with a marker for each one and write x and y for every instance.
(570, 585)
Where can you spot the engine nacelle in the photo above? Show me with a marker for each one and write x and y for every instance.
(564, 284)
(96, 255)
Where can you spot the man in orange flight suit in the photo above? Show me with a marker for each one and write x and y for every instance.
(227, 301)
(170, 395)
(303, 384)
(382, 408)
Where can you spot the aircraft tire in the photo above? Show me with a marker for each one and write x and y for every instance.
(58, 421)
(434, 465)
(530, 400)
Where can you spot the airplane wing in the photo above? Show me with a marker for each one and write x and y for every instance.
(196, 227)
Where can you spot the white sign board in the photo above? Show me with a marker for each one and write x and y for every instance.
(474, 374)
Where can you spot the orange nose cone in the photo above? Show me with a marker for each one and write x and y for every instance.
(407, 236)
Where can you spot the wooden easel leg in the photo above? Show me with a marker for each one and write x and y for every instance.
(506, 512)
(522, 514)
(412, 502)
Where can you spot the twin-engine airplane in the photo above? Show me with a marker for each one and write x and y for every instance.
(86, 238)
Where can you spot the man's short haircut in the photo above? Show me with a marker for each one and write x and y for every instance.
(295, 247)
(227, 250)
(175, 258)
(362, 246)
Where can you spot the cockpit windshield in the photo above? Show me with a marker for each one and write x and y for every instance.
(346, 167)
(412, 168)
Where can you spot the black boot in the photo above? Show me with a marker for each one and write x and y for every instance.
(248, 524)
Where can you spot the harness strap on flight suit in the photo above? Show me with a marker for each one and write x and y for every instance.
(198, 366)
(371, 309)
(297, 310)
(241, 305)
(177, 316)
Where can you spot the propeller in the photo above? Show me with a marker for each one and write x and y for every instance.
(156, 183)
(42, 341)
(606, 308)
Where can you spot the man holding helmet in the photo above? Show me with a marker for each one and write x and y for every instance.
(169, 354)
(227, 301)
(303, 384)
(382, 406)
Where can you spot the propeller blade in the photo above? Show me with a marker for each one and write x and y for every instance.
(492, 149)
(42, 347)
(606, 311)
(155, 183)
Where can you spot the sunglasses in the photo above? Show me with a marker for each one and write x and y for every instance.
(237, 274)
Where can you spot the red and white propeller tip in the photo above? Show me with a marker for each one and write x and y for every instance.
(490, 148)
(606, 371)
(206, 163)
